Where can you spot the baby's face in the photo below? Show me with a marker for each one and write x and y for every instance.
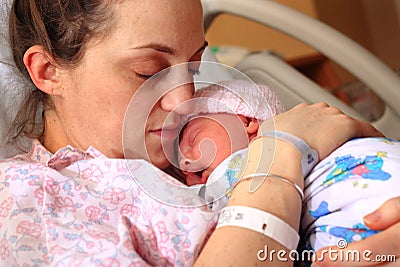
(205, 142)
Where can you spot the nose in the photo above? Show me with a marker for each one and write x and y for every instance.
(188, 165)
(184, 153)
(198, 158)
(187, 160)
(184, 164)
(180, 80)
(176, 99)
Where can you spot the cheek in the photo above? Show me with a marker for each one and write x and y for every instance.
(110, 114)
(183, 150)
(206, 151)
(224, 148)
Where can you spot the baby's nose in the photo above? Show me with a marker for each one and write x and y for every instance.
(186, 164)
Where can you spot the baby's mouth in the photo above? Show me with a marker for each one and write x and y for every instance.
(193, 178)
(194, 170)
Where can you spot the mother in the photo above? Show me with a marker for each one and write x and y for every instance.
(70, 201)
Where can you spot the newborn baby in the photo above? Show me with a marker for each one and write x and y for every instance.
(225, 118)
(351, 182)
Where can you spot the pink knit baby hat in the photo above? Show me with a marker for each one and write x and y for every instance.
(238, 97)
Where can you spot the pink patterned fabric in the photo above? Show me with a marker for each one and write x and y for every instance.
(78, 208)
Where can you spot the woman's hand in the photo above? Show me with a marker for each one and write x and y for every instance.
(323, 127)
(385, 245)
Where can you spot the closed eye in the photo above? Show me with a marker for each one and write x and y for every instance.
(148, 76)
(144, 76)
(194, 72)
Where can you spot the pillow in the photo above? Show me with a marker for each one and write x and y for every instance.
(12, 86)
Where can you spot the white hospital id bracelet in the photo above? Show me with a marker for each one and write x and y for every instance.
(310, 156)
(261, 222)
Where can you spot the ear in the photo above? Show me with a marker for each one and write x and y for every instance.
(43, 70)
(252, 126)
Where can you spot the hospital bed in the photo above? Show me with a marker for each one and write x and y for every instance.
(292, 86)
(262, 67)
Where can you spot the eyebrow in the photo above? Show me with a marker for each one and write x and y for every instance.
(169, 50)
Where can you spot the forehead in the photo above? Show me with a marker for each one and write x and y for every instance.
(208, 121)
(141, 21)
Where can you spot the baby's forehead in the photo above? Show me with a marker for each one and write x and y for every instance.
(204, 120)
(200, 119)
(210, 117)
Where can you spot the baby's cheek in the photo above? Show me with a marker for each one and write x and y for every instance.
(195, 152)
(182, 151)
(206, 152)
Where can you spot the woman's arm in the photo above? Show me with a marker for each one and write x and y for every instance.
(385, 245)
(324, 129)
(234, 246)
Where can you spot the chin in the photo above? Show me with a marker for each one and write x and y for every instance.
(158, 156)
(160, 162)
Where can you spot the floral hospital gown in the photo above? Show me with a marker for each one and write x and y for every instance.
(76, 208)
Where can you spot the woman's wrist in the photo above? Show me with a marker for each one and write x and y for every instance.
(273, 196)
(275, 156)
(309, 156)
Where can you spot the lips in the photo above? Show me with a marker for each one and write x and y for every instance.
(193, 178)
(166, 132)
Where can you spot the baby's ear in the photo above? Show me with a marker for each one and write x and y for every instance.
(252, 126)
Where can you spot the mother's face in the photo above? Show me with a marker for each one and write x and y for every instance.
(149, 36)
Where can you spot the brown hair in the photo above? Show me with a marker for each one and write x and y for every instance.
(63, 28)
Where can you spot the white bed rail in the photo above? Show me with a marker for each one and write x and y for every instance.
(333, 44)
